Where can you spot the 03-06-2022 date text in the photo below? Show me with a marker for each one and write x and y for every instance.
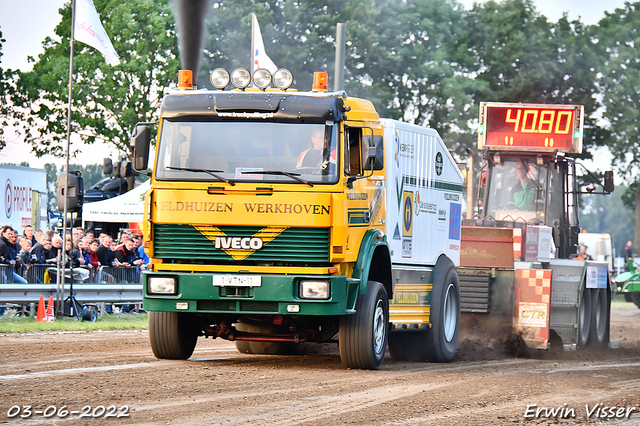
(100, 411)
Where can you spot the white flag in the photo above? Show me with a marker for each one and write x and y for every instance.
(259, 58)
(89, 30)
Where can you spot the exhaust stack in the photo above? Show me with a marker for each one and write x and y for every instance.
(190, 16)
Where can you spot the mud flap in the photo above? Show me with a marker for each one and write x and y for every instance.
(533, 302)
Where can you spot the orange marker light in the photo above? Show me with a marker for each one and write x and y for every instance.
(319, 82)
(185, 79)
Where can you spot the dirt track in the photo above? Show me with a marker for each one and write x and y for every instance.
(220, 386)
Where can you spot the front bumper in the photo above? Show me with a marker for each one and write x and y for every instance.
(277, 293)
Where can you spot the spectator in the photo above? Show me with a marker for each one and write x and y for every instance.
(91, 259)
(53, 252)
(28, 233)
(106, 256)
(141, 255)
(73, 256)
(628, 256)
(25, 255)
(8, 253)
(15, 252)
(126, 255)
(90, 234)
(84, 245)
(39, 250)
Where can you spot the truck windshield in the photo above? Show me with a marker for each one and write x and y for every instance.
(238, 150)
(517, 191)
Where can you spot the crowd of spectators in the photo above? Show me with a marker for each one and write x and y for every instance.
(83, 250)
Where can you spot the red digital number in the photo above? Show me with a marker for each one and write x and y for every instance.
(567, 123)
(515, 121)
(526, 128)
(546, 119)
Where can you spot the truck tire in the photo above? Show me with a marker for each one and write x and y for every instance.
(263, 348)
(363, 335)
(635, 298)
(584, 316)
(442, 337)
(171, 335)
(599, 328)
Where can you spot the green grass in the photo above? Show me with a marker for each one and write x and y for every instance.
(24, 324)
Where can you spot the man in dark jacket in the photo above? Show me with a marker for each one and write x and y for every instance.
(105, 254)
(8, 254)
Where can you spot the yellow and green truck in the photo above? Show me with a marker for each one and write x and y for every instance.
(277, 217)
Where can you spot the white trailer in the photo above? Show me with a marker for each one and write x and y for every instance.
(25, 197)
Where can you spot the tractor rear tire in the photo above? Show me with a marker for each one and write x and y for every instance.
(584, 316)
(363, 335)
(172, 334)
(635, 298)
(600, 310)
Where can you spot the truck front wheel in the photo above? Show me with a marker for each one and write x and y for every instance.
(172, 335)
(363, 335)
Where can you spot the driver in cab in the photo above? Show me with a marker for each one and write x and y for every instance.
(524, 191)
(317, 156)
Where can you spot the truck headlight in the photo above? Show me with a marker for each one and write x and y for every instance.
(161, 285)
(314, 289)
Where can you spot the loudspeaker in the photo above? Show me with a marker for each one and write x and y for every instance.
(75, 193)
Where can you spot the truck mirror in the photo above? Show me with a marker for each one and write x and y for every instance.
(608, 181)
(116, 170)
(74, 194)
(125, 168)
(140, 144)
(372, 152)
(107, 166)
(463, 169)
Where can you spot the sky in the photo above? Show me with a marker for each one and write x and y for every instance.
(26, 23)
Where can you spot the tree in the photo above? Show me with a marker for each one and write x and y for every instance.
(403, 56)
(7, 88)
(617, 38)
(107, 101)
(521, 57)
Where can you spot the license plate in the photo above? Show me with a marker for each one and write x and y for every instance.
(237, 280)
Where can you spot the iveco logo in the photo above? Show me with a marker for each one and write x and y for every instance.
(239, 243)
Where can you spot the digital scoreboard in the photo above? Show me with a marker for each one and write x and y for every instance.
(531, 127)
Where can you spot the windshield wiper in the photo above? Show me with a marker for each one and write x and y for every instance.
(281, 173)
(211, 172)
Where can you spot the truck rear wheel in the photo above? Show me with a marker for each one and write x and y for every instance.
(442, 337)
(263, 348)
(635, 298)
(599, 318)
(363, 335)
(584, 316)
(172, 335)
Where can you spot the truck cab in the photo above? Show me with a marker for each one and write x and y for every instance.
(274, 219)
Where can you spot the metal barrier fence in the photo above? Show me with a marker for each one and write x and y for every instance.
(107, 284)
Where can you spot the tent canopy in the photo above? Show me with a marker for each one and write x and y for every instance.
(126, 208)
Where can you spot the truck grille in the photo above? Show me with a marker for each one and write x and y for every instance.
(190, 244)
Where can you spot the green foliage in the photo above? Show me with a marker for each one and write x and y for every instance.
(617, 38)
(608, 214)
(22, 324)
(107, 101)
(521, 57)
